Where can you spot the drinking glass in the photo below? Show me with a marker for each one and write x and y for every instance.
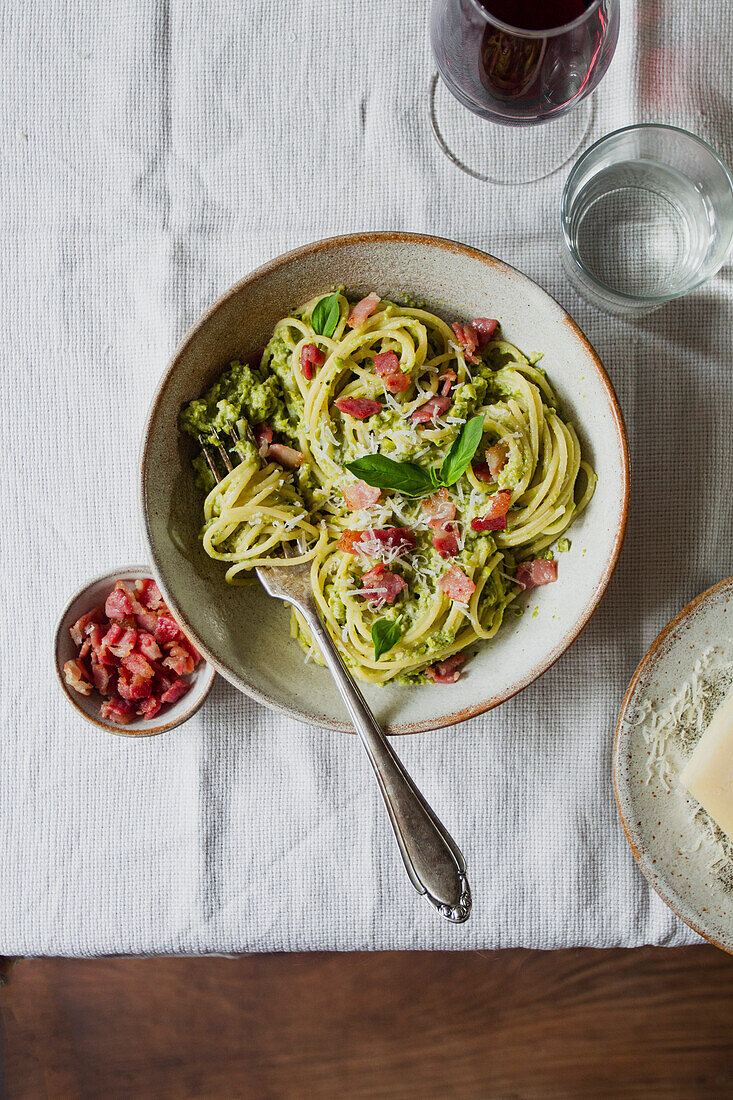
(515, 64)
(647, 216)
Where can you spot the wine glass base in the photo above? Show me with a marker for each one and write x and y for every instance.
(504, 154)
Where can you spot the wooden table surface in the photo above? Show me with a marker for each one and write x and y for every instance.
(649, 1022)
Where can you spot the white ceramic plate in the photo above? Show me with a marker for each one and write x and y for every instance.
(244, 633)
(172, 714)
(669, 846)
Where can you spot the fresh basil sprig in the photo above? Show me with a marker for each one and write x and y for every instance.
(385, 473)
(415, 481)
(325, 315)
(458, 459)
(385, 635)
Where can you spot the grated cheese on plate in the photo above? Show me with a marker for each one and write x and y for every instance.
(671, 735)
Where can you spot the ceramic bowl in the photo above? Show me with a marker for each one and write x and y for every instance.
(171, 715)
(658, 818)
(242, 632)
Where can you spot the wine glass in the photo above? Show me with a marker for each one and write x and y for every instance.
(517, 63)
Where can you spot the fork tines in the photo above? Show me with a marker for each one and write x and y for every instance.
(210, 453)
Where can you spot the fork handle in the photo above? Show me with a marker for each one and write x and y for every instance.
(432, 859)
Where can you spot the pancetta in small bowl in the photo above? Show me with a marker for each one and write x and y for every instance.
(123, 660)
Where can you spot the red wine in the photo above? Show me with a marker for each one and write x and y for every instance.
(535, 15)
(533, 61)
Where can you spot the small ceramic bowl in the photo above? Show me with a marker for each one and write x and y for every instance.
(171, 715)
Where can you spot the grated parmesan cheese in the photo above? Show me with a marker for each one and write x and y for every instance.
(672, 733)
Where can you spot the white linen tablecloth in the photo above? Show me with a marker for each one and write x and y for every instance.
(152, 154)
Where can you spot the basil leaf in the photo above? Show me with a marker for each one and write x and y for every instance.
(325, 315)
(385, 634)
(385, 473)
(458, 459)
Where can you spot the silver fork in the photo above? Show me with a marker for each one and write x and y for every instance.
(432, 859)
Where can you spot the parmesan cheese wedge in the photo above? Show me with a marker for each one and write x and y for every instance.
(708, 774)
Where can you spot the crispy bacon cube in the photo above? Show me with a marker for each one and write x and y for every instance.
(447, 671)
(532, 574)
(456, 584)
(360, 495)
(363, 310)
(360, 408)
(484, 327)
(175, 691)
(76, 677)
(117, 710)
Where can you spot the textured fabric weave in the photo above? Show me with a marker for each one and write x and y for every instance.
(152, 154)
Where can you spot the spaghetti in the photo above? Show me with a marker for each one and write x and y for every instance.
(349, 433)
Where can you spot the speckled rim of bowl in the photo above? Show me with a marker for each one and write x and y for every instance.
(647, 660)
(109, 727)
(457, 248)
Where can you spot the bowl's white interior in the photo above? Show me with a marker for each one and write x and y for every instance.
(244, 632)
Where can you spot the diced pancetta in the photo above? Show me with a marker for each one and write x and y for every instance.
(132, 687)
(162, 680)
(436, 406)
(360, 495)
(363, 310)
(447, 671)
(494, 518)
(482, 472)
(145, 619)
(123, 645)
(124, 652)
(175, 691)
(386, 586)
(147, 645)
(467, 339)
(496, 458)
(349, 539)
(395, 538)
(166, 629)
(488, 523)
(448, 377)
(102, 676)
(148, 594)
(118, 605)
(532, 574)
(392, 541)
(86, 624)
(148, 708)
(179, 660)
(286, 456)
(263, 438)
(387, 366)
(76, 677)
(438, 509)
(310, 358)
(112, 637)
(484, 327)
(456, 584)
(360, 408)
(191, 648)
(117, 710)
(136, 663)
(445, 541)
